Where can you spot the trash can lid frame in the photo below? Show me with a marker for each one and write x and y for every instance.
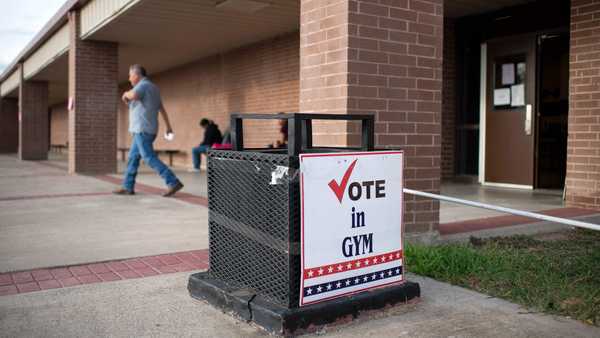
(300, 129)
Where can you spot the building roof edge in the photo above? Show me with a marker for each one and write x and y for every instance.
(57, 20)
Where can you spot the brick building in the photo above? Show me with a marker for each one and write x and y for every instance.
(492, 92)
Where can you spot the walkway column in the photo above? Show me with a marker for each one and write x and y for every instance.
(33, 119)
(583, 147)
(9, 125)
(93, 91)
(360, 57)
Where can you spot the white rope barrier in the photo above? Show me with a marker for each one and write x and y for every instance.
(529, 214)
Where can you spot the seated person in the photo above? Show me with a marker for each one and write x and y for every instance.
(283, 130)
(212, 135)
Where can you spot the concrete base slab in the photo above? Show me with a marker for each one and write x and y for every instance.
(451, 311)
(150, 307)
(290, 322)
(161, 307)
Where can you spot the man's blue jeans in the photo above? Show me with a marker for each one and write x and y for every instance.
(141, 148)
(196, 154)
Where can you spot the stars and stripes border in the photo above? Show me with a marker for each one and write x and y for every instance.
(331, 269)
(344, 283)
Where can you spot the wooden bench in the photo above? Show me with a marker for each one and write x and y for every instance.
(169, 152)
(58, 148)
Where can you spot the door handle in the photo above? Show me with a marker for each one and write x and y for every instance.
(528, 109)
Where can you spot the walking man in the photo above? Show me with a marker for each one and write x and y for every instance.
(144, 105)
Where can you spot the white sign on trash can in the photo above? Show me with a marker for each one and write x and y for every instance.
(351, 219)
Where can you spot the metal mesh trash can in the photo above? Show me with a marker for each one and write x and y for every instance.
(254, 228)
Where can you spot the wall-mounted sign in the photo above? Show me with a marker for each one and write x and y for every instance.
(517, 95)
(501, 97)
(508, 74)
(351, 218)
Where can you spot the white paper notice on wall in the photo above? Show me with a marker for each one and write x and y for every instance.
(517, 95)
(351, 223)
(508, 74)
(502, 97)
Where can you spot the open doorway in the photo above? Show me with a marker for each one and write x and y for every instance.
(553, 108)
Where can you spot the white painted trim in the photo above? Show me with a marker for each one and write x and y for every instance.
(508, 185)
(99, 13)
(482, 109)
(40, 68)
(10, 83)
(53, 48)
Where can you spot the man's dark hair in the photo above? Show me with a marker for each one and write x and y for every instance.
(204, 122)
(138, 69)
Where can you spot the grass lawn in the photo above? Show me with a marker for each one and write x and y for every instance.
(560, 276)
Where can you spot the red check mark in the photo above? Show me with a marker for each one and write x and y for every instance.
(338, 189)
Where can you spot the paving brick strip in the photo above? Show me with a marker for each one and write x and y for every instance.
(61, 277)
(505, 221)
(34, 197)
(182, 196)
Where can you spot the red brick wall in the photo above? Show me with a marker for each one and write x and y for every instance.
(260, 78)
(9, 125)
(93, 68)
(59, 124)
(385, 57)
(324, 56)
(33, 127)
(583, 149)
(449, 99)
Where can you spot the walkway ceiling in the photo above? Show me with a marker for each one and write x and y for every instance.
(459, 8)
(165, 34)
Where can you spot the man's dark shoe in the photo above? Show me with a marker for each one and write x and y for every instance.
(172, 190)
(123, 191)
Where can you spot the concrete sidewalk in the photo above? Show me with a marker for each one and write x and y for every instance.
(49, 218)
(161, 307)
